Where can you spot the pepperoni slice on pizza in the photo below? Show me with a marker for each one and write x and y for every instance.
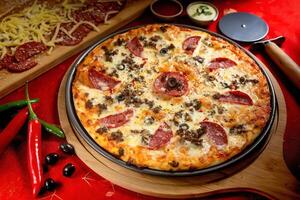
(116, 120)
(135, 47)
(236, 97)
(190, 44)
(215, 132)
(161, 136)
(102, 81)
(221, 63)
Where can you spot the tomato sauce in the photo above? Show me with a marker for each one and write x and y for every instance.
(166, 7)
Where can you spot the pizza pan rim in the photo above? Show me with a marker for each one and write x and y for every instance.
(76, 124)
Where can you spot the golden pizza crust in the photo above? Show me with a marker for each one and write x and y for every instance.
(178, 154)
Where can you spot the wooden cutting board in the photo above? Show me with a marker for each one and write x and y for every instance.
(266, 174)
(11, 81)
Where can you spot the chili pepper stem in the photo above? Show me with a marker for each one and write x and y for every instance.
(51, 128)
(32, 115)
(16, 104)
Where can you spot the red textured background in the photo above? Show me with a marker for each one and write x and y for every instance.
(283, 18)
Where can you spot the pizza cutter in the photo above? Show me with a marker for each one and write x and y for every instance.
(246, 27)
(285, 63)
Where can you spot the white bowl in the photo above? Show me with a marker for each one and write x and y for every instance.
(202, 22)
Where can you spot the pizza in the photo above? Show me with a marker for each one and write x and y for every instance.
(171, 98)
(30, 28)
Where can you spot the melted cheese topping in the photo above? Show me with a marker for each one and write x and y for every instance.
(139, 75)
(37, 22)
(34, 23)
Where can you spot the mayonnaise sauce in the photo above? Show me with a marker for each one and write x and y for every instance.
(202, 12)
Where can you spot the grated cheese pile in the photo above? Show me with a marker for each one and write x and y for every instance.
(36, 23)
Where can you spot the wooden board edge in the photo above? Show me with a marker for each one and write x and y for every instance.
(8, 84)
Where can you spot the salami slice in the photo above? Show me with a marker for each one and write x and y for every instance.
(21, 66)
(100, 10)
(68, 41)
(172, 84)
(221, 63)
(135, 47)
(104, 6)
(116, 120)
(102, 81)
(190, 44)
(6, 60)
(82, 31)
(83, 14)
(77, 34)
(161, 137)
(236, 97)
(215, 132)
(110, 6)
(29, 49)
(92, 13)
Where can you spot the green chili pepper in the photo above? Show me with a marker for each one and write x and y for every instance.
(51, 128)
(16, 104)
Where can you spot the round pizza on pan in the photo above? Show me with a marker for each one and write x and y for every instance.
(171, 98)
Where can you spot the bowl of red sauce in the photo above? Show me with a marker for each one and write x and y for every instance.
(166, 10)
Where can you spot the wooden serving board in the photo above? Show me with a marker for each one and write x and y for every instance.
(11, 81)
(266, 175)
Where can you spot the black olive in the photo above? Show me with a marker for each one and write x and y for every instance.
(121, 67)
(242, 80)
(51, 158)
(50, 184)
(42, 191)
(68, 170)
(163, 51)
(67, 148)
(172, 82)
(121, 97)
(184, 126)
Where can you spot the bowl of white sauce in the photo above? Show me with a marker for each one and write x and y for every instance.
(202, 13)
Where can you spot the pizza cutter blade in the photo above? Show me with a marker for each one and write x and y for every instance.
(246, 27)
(243, 27)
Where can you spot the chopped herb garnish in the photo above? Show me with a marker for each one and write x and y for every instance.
(202, 10)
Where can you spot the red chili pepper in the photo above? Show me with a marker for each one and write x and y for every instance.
(34, 148)
(35, 155)
(13, 127)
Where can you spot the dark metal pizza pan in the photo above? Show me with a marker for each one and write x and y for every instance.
(246, 156)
